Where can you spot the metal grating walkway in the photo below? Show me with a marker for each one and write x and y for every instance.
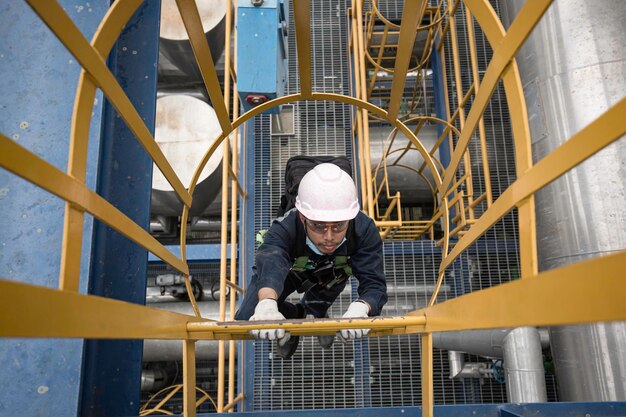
(382, 371)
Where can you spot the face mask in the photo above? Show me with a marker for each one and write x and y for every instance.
(314, 248)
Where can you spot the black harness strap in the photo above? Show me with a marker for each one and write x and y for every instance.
(327, 272)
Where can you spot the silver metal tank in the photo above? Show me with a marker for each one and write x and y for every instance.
(185, 129)
(175, 54)
(572, 68)
(412, 187)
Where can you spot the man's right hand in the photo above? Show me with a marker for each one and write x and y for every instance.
(267, 309)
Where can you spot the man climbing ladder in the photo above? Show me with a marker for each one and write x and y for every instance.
(313, 249)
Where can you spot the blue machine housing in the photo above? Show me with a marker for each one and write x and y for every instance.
(261, 52)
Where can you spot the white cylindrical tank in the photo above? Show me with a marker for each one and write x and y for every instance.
(175, 50)
(185, 129)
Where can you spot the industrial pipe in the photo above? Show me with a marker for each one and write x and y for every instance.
(523, 366)
(155, 350)
(520, 348)
(572, 70)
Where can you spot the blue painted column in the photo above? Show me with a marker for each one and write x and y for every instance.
(246, 259)
(440, 110)
(38, 79)
(440, 102)
(112, 368)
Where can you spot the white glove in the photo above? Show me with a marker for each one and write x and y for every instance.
(356, 310)
(267, 309)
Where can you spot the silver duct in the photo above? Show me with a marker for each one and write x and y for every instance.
(572, 68)
(460, 369)
(158, 376)
(520, 349)
(487, 343)
(457, 362)
(154, 379)
(172, 350)
(523, 366)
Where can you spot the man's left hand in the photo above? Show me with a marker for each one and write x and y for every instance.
(356, 310)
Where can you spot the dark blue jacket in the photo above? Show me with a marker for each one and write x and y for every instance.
(276, 256)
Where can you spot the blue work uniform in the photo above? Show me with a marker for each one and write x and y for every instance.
(275, 258)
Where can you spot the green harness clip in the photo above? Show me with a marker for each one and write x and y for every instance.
(260, 236)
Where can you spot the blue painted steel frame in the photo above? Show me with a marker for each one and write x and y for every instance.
(38, 79)
(195, 253)
(440, 109)
(247, 237)
(440, 102)
(125, 179)
(614, 409)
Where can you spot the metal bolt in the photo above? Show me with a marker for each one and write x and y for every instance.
(256, 3)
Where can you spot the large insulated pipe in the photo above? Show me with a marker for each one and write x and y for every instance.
(185, 129)
(523, 366)
(175, 50)
(572, 69)
(172, 350)
(519, 348)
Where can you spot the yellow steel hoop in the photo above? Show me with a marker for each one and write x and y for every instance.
(427, 51)
(504, 53)
(395, 26)
(428, 159)
(107, 32)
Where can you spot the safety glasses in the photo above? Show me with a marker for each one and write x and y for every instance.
(321, 227)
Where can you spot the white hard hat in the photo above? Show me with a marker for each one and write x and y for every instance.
(327, 194)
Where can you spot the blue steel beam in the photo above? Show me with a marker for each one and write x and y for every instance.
(246, 259)
(440, 101)
(38, 79)
(124, 179)
(195, 253)
(436, 65)
(608, 409)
